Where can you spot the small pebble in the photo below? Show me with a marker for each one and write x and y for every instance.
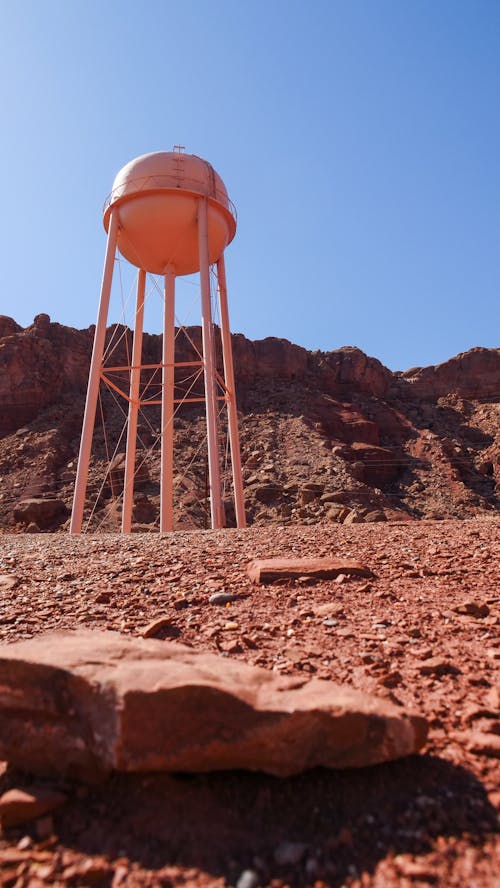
(248, 879)
(289, 853)
(222, 598)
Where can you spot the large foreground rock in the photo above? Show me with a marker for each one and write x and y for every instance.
(85, 703)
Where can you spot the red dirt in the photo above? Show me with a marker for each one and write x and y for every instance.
(423, 632)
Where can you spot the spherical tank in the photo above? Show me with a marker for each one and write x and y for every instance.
(156, 197)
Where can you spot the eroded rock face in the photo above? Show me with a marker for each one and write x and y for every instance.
(38, 365)
(85, 703)
(472, 374)
(411, 443)
(351, 368)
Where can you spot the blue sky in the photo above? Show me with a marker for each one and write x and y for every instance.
(360, 142)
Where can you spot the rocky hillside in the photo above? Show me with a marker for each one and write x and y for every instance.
(326, 436)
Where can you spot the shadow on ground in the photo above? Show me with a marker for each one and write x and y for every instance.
(223, 823)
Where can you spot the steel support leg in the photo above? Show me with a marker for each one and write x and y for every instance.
(133, 407)
(216, 506)
(167, 407)
(94, 379)
(232, 413)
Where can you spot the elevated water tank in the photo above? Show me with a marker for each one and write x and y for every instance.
(156, 197)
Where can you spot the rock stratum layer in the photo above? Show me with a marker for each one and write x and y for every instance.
(86, 703)
(326, 436)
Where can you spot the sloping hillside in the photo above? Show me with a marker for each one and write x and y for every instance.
(326, 436)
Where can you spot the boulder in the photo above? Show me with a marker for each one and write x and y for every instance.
(267, 493)
(310, 491)
(144, 511)
(116, 472)
(375, 515)
(337, 513)
(375, 465)
(42, 512)
(82, 704)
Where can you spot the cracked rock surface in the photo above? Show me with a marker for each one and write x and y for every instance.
(85, 703)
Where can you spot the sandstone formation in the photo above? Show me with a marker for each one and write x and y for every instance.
(317, 428)
(86, 703)
(472, 374)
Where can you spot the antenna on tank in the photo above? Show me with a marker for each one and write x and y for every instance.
(172, 220)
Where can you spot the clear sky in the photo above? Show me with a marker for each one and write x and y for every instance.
(360, 142)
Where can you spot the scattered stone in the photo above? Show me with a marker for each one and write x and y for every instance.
(474, 712)
(413, 869)
(353, 517)
(20, 806)
(331, 497)
(91, 871)
(391, 679)
(267, 493)
(483, 743)
(310, 492)
(289, 853)
(163, 627)
(375, 515)
(248, 879)
(223, 598)
(203, 712)
(32, 528)
(472, 609)
(437, 666)
(493, 698)
(8, 582)
(267, 571)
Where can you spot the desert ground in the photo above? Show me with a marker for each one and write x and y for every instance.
(424, 633)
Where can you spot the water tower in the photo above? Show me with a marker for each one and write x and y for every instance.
(168, 214)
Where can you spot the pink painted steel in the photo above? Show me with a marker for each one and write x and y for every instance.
(157, 196)
(169, 213)
(133, 407)
(94, 379)
(216, 505)
(167, 406)
(232, 411)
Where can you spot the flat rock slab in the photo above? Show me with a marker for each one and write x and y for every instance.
(85, 703)
(271, 569)
(20, 805)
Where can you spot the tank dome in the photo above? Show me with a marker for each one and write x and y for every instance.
(156, 197)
